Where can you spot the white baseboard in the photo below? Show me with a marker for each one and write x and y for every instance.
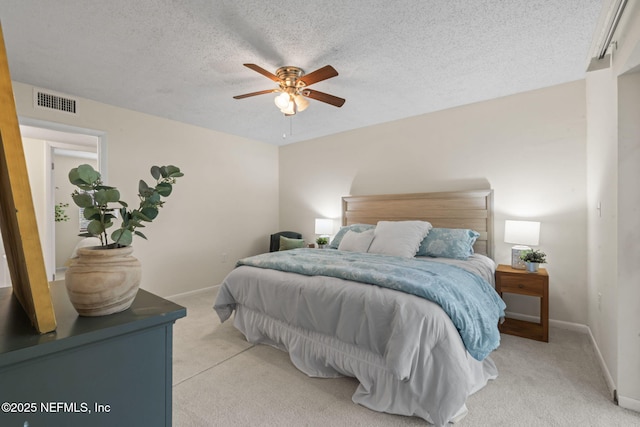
(577, 327)
(188, 293)
(605, 370)
(569, 326)
(628, 403)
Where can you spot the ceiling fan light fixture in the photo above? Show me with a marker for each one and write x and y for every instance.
(283, 100)
(301, 102)
(292, 92)
(290, 109)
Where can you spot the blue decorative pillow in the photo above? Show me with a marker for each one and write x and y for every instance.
(456, 243)
(356, 228)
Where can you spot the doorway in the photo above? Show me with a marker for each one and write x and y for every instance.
(51, 150)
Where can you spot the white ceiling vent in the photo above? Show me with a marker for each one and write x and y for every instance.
(49, 100)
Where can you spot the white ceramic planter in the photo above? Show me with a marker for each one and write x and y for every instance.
(532, 267)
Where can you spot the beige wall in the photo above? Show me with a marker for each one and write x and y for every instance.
(613, 159)
(34, 153)
(530, 148)
(602, 178)
(224, 208)
(629, 236)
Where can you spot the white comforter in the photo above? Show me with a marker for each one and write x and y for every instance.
(404, 350)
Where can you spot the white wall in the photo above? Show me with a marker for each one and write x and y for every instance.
(530, 148)
(614, 156)
(224, 208)
(66, 232)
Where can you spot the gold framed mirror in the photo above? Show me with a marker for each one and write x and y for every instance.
(17, 214)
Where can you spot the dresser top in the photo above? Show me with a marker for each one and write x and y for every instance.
(18, 338)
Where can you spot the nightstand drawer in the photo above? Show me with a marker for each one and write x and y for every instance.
(527, 285)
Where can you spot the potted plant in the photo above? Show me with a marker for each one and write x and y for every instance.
(533, 259)
(322, 242)
(105, 279)
(60, 212)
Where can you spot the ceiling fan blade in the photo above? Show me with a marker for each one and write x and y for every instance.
(318, 75)
(262, 92)
(324, 97)
(262, 71)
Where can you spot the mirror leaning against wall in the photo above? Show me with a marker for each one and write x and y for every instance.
(50, 154)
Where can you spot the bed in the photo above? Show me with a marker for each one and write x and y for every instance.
(415, 330)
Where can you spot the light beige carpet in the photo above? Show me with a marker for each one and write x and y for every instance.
(221, 380)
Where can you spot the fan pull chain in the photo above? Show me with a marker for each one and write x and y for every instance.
(284, 133)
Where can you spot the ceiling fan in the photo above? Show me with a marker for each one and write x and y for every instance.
(293, 87)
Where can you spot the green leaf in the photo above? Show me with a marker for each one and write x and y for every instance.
(173, 171)
(155, 172)
(74, 177)
(113, 195)
(91, 213)
(122, 237)
(164, 189)
(85, 187)
(150, 212)
(83, 200)
(104, 187)
(87, 174)
(137, 233)
(154, 198)
(105, 196)
(140, 215)
(100, 197)
(142, 187)
(95, 227)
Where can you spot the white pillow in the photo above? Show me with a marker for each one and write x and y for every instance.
(399, 238)
(356, 242)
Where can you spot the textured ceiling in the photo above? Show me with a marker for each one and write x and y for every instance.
(183, 59)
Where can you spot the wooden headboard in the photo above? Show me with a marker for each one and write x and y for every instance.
(455, 209)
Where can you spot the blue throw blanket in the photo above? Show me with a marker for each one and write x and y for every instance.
(472, 304)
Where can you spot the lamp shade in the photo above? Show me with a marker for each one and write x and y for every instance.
(522, 232)
(324, 226)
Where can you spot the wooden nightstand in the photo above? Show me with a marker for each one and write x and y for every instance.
(521, 282)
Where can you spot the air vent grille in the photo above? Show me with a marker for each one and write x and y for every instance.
(53, 101)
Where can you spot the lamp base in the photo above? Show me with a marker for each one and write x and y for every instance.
(516, 262)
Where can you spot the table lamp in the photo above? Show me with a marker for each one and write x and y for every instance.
(522, 234)
(324, 227)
